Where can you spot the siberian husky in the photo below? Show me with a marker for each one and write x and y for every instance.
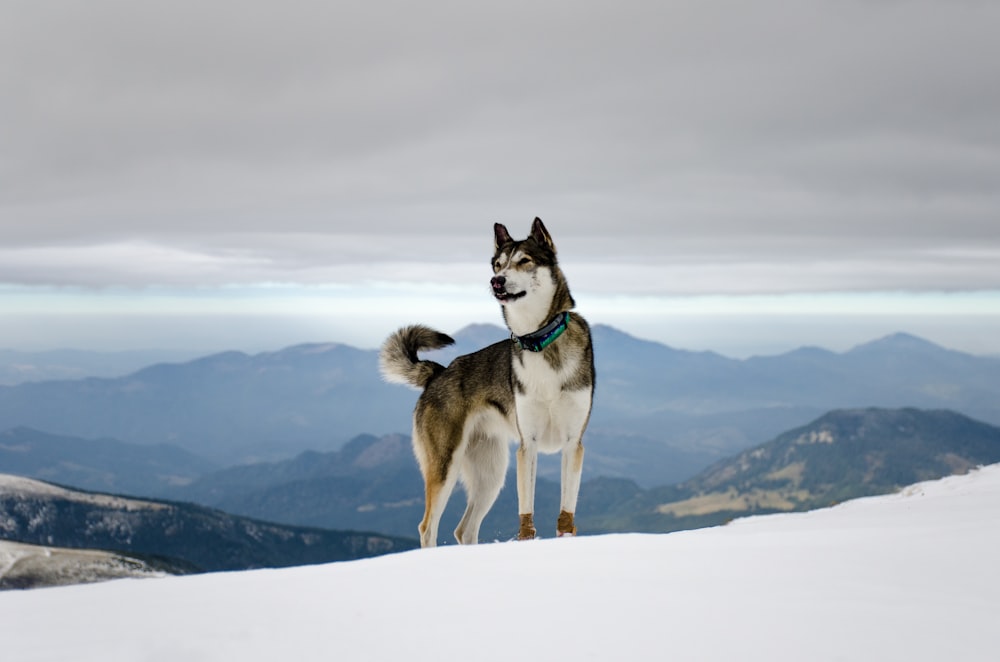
(535, 388)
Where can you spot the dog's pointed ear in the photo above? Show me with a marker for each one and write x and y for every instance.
(500, 236)
(541, 235)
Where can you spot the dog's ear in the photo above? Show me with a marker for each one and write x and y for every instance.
(541, 235)
(500, 236)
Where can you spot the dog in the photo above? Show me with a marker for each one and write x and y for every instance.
(535, 389)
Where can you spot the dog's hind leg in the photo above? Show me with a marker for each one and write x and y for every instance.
(437, 490)
(484, 468)
(439, 463)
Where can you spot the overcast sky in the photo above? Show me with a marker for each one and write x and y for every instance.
(172, 154)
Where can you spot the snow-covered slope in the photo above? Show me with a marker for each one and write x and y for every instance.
(36, 488)
(912, 576)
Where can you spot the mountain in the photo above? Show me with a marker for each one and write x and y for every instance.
(227, 407)
(895, 371)
(372, 484)
(98, 464)
(703, 404)
(20, 367)
(910, 577)
(365, 454)
(39, 513)
(660, 414)
(31, 566)
(842, 455)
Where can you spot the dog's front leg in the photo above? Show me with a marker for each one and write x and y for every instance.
(572, 469)
(527, 467)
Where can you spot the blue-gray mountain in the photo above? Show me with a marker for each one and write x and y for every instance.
(842, 455)
(104, 465)
(660, 414)
(20, 367)
(226, 407)
(374, 483)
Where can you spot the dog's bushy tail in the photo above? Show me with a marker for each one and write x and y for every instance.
(398, 359)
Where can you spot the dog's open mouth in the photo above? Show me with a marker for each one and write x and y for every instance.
(503, 296)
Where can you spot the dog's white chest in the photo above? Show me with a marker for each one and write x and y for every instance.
(547, 413)
(539, 378)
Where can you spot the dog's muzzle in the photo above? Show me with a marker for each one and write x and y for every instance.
(499, 284)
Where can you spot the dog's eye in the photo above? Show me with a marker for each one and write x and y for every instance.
(524, 261)
(496, 266)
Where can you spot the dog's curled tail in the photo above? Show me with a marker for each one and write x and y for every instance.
(398, 360)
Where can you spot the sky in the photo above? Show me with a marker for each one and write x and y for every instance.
(744, 177)
(908, 576)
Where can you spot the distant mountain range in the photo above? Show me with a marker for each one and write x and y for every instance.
(103, 465)
(660, 414)
(184, 535)
(674, 443)
(373, 482)
(20, 367)
(227, 407)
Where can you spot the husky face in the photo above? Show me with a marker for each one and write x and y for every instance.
(523, 267)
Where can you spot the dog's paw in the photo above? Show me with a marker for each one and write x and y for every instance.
(527, 530)
(565, 525)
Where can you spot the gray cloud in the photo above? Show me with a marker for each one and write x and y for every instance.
(852, 142)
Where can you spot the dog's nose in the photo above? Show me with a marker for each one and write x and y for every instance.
(498, 282)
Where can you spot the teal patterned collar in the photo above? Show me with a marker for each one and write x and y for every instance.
(545, 336)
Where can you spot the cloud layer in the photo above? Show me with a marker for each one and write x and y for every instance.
(673, 147)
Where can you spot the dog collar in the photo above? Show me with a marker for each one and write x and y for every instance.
(545, 336)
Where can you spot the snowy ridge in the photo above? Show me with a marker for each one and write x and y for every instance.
(29, 487)
(912, 576)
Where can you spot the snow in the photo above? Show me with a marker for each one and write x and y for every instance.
(21, 486)
(912, 576)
